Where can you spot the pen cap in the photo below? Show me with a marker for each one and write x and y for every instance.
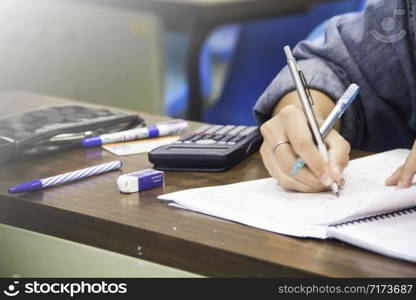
(25, 187)
(93, 141)
(350, 94)
(172, 127)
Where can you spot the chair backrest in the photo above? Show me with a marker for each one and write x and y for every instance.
(219, 46)
(259, 57)
(93, 53)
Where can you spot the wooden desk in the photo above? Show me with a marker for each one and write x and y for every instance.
(199, 18)
(95, 213)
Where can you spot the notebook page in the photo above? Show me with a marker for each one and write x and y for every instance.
(264, 204)
(393, 236)
(371, 172)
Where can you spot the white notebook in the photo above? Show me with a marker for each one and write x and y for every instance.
(354, 217)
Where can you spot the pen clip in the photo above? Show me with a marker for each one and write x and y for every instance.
(66, 137)
(7, 139)
(74, 136)
(306, 87)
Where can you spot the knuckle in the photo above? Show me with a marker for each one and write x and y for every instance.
(269, 126)
(289, 110)
(264, 128)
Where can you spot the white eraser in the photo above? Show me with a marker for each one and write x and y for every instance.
(140, 181)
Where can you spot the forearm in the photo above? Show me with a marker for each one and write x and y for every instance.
(323, 105)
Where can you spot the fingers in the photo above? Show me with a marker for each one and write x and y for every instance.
(403, 176)
(339, 150)
(286, 181)
(291, 124)
(286, 158)
(298, 132)
(281, 161)
(394, 178)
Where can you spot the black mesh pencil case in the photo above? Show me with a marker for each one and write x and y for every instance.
(56, 128)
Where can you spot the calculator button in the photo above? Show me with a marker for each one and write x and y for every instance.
(178, 142)
(213, 129)
(202, 129)
(187, 137)
(187, 142)
(225, 129)
(248, 130)
(231, 143)
(222, 142)
(226, 138)
(237, 138)
(206, 142)
(217, 137)
(196, 137)
(236, 130)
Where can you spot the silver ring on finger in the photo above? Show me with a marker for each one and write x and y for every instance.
(278, 143)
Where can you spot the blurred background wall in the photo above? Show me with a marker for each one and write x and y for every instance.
(124, 58)
(94, 53)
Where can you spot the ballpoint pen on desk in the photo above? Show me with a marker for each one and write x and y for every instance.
(342, 104)
(171, 127)
(307, 102)
(39, 184)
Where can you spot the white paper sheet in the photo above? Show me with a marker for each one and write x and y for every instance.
(264, 204)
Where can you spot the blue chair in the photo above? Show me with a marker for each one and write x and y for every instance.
(219, 46)
(259, 57)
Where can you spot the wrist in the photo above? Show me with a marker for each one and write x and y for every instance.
(322, 107)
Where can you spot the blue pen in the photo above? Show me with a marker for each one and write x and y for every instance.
(343, 103)
(39, 184)
(171, 127)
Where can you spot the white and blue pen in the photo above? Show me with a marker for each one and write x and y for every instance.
(343, 103)
(171, 127)
(39, 184)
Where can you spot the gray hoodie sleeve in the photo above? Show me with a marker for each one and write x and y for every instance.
(354, 48)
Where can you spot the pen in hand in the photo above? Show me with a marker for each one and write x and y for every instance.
(343, 103)
(307, 102)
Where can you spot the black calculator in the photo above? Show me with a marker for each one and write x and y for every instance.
(210, 148)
